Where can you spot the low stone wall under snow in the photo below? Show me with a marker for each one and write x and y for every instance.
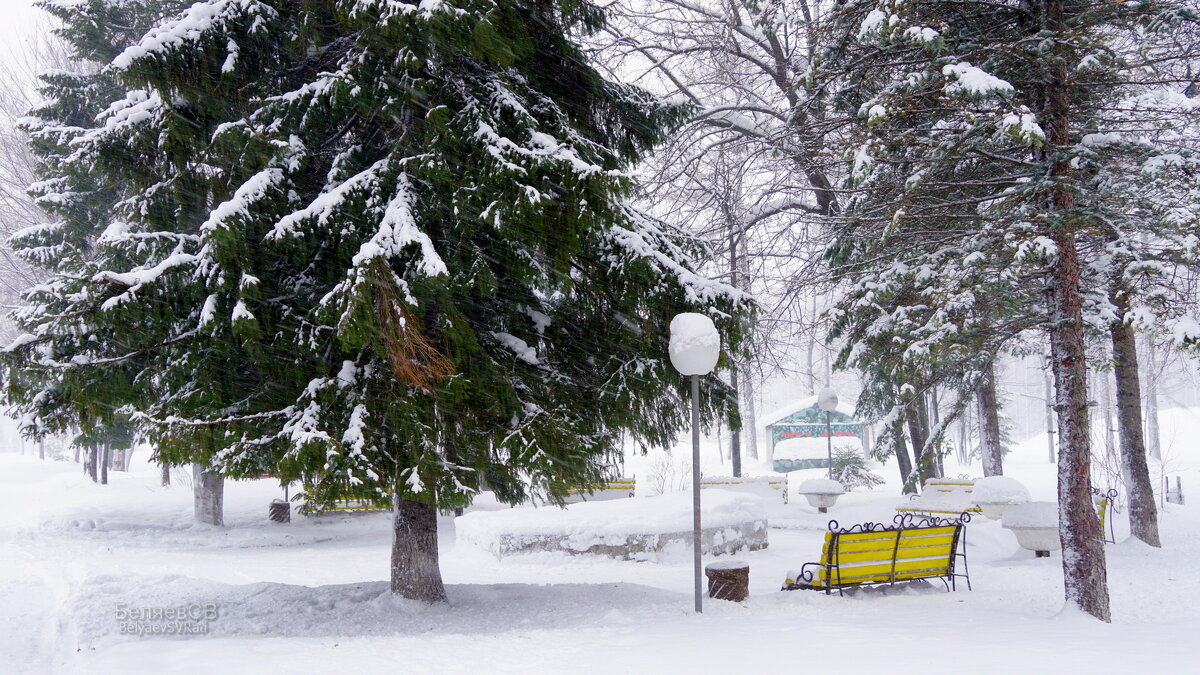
(629, 529)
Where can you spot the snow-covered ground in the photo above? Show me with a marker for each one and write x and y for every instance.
(76, 559)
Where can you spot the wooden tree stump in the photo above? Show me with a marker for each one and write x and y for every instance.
(281, 511)
(728, 580)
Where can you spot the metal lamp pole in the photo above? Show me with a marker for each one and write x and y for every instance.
(827, 400)
(696, 490)
(829, 445)
(695, 346)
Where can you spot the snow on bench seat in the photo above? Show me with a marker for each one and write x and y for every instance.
(628, 529)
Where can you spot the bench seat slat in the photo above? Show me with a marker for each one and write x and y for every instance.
(875, 575)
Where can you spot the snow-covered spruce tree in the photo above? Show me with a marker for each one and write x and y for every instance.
(52, 394)
(926, 308)
(979, 114)
(383, 247)
(1144, 160)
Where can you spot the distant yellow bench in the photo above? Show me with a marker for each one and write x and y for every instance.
(617, 488)
(1103, 500)
(353, 498)
(872, 554)
(942, 497)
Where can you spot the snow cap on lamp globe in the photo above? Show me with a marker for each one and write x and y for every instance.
(827, 400)
(695, 344)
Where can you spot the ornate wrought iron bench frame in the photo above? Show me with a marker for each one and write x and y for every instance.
(944, 539)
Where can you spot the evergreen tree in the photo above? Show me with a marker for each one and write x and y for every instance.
(976, 124)
(55, 396)
(383, 247)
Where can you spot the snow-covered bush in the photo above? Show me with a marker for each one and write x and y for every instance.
(851, 470)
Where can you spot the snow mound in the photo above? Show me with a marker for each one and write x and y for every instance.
(821, 486)
(999, 490)
(112, 608)
(1033, 514)
(631, 529)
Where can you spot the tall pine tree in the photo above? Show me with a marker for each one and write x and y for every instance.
(382, 247)
(976, 126)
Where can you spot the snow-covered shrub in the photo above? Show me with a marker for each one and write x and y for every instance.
(851, 470)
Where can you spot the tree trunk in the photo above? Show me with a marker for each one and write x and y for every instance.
(208, 496)
(907, 479)
(927, 407)
(105, 462)
(1143, 514)
(1106, 412)
(415, 571)
(1085, 581)
(917, 432)
(77, 454)
(991, 451)
(1153, 441)
(735, 436)
(1051, 424)
(90, 467)
(752, 415)
(964, 436)
(166, 475)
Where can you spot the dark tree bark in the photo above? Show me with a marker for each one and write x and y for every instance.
(208, 492)
(906, 471)
(989, 423)
(1143, 514)
(735, 436)
(934, 418)
(1085, 580)
(416, 574)
(917, 432)
(166, 475)
(105, 462)
(90, 466)
(1051, 424)
(1153, 442)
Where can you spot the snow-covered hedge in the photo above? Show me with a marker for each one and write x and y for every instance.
(631, 529)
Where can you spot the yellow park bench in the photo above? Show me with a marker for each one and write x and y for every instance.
(942, 497)
(616, 488)
(873, 554)
(1103, 501)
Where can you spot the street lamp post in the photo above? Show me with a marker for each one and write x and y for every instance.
(695, 346)
(827, 400)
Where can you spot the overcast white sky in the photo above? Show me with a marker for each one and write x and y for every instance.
(17, 20)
